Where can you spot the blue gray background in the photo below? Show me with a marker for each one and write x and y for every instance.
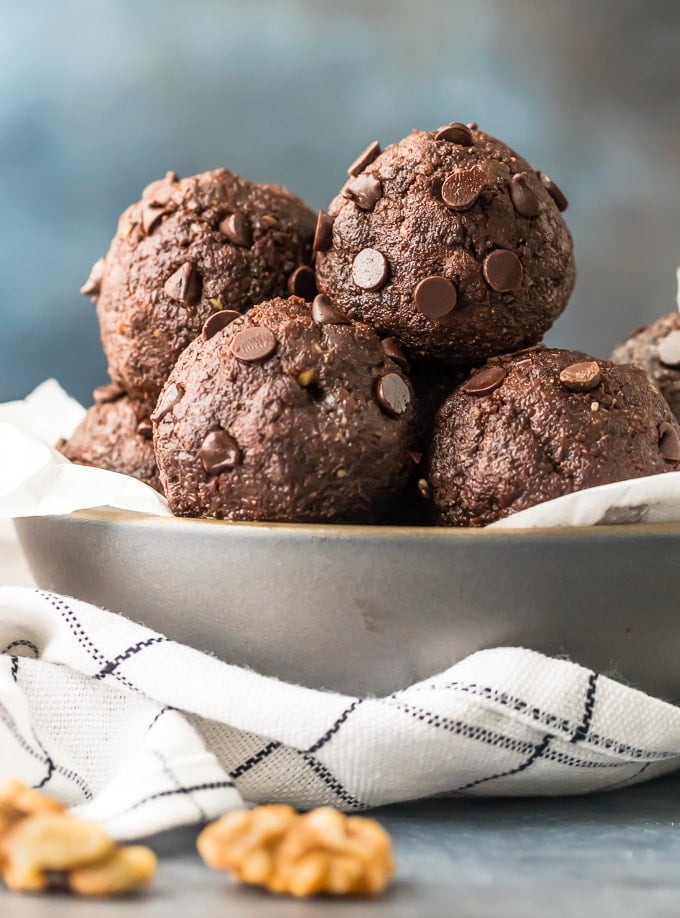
(98, 97)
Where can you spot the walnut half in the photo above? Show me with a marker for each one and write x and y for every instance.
(307, 854)
(38, 837)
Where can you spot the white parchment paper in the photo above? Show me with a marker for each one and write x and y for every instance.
(36, 480)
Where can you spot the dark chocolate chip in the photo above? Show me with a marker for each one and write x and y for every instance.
(93, 285)
(526, 202)
(462, 188)
(554, 191)
(302, 283)
(364, 159)
(669, 442)
(669, 349)
(110, 392)
(581, 377)
(324, 313)
(370, 269)
(393, 394)
(456, 133)
(144, 429)
(169, 398)
(152, 214)
(236, 227)
(394, 352)
(424, 489)
(365, 191)
(503, 270)
(184, 285)
(323, 234)
(217, 321)
(435, 296)
(485, 381)
(253, 344)
(219, 452)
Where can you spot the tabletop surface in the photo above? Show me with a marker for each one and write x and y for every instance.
(607, 854)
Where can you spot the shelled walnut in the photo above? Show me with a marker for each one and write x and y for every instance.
(38, 837)
(308, 854)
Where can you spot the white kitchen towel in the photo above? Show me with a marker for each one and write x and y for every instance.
(144, 734)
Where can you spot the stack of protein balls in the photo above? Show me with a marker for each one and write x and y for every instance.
(379, 362)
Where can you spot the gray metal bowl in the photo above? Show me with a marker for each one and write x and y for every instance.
(369, 609)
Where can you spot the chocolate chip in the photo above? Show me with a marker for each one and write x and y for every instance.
(169, 398)
(394, 352)
(152, 214)
(219, 452)
(364, 159)
(553, 190)
(424, 488)
(503, 270)
(365, 191)
(324, 313)
(472, 125)
(184, 285)
(435, 296)
(456, 133)
(144, 429)
(393, 394)
(669, 349)
(485, 381)
(252, 344)
(462, 188)
(111, 392)
(93, 285)
(669, 442)
(236, 227)
(323, 234)
(217, 321)
(526, 202)
(302, 283)
(581, 377)
(369, 269)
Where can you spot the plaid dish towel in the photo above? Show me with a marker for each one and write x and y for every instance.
(143, 734)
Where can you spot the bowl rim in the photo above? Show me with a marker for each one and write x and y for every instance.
(342, 531)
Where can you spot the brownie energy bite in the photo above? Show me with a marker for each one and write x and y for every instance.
(289, 413)
(655, 348)
(450, 242)
(533, 426)
(187, 249)
(115, 434)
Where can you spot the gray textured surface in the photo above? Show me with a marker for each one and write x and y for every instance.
(608, 855)
(96, 99)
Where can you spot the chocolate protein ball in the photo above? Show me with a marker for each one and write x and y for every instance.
(289, 413)
(656, 349)
(115, 434)
(451, 243)
(187, 249)
(536, 425)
